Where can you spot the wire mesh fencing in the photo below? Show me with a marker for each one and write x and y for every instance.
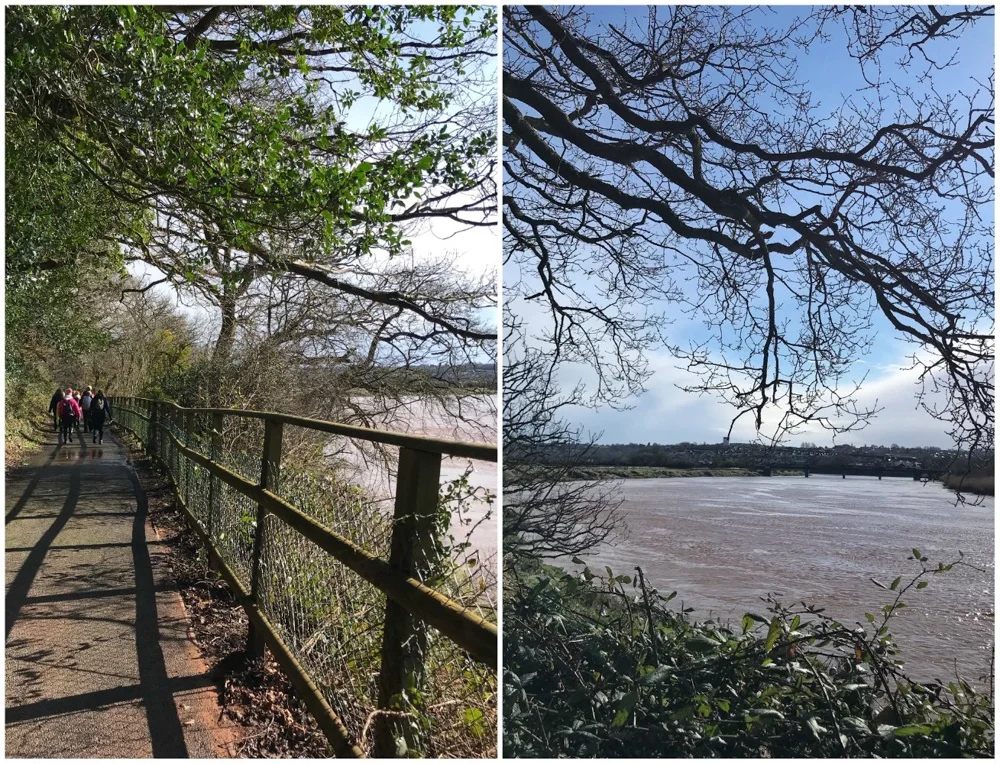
(383, 621)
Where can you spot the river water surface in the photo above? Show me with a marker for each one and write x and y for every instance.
(722, 543)
(469, 418)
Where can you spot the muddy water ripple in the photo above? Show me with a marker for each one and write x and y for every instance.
(723, 543)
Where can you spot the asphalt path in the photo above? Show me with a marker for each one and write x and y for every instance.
(98, 659)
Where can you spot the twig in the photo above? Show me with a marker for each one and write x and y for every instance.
(833, 712)
(649, 616)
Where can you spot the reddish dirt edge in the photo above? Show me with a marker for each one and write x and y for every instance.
(273, 722)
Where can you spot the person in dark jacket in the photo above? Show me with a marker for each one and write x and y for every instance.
(54, 408)
(100, 411)
(85, 400)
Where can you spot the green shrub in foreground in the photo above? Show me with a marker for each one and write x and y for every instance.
(601, 667)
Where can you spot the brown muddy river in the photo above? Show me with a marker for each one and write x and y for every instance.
(722, 543)
(469, 418)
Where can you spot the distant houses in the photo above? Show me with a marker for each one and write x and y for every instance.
(753, 455)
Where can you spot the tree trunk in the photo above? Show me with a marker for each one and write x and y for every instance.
(223, 349)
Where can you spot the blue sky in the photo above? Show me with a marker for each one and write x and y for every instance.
(664, 413)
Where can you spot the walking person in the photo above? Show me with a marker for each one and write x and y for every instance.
(69, 416)
(85, 401)
(54, 408)
(100, 410)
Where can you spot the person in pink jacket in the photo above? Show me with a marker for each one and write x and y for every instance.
(70, 415)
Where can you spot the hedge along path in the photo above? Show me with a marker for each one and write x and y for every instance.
(98, 661)
(306, 577)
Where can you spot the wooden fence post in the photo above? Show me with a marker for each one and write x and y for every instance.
(188, 464)
(152, 445)
(213, 481)
(167, 417)
(270, 469)
(414, 551)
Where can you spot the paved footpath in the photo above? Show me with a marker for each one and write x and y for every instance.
(98, 660)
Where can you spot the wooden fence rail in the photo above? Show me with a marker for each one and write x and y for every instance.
(411, 605)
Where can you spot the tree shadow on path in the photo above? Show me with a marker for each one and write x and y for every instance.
(88, 483)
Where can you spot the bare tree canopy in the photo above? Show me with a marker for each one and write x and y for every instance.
(681, 158)
(544, 513)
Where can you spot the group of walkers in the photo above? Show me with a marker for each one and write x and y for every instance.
(71, 408)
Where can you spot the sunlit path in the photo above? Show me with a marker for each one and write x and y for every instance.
(98, 659)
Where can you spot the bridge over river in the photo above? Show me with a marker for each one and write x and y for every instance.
(864, 470)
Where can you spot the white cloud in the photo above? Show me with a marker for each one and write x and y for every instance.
(665, 414)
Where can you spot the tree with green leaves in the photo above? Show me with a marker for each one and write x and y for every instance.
(234, 144)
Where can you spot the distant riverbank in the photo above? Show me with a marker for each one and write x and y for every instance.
(982, 485)
(974, 484)
(605, 472)
(979, 484)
